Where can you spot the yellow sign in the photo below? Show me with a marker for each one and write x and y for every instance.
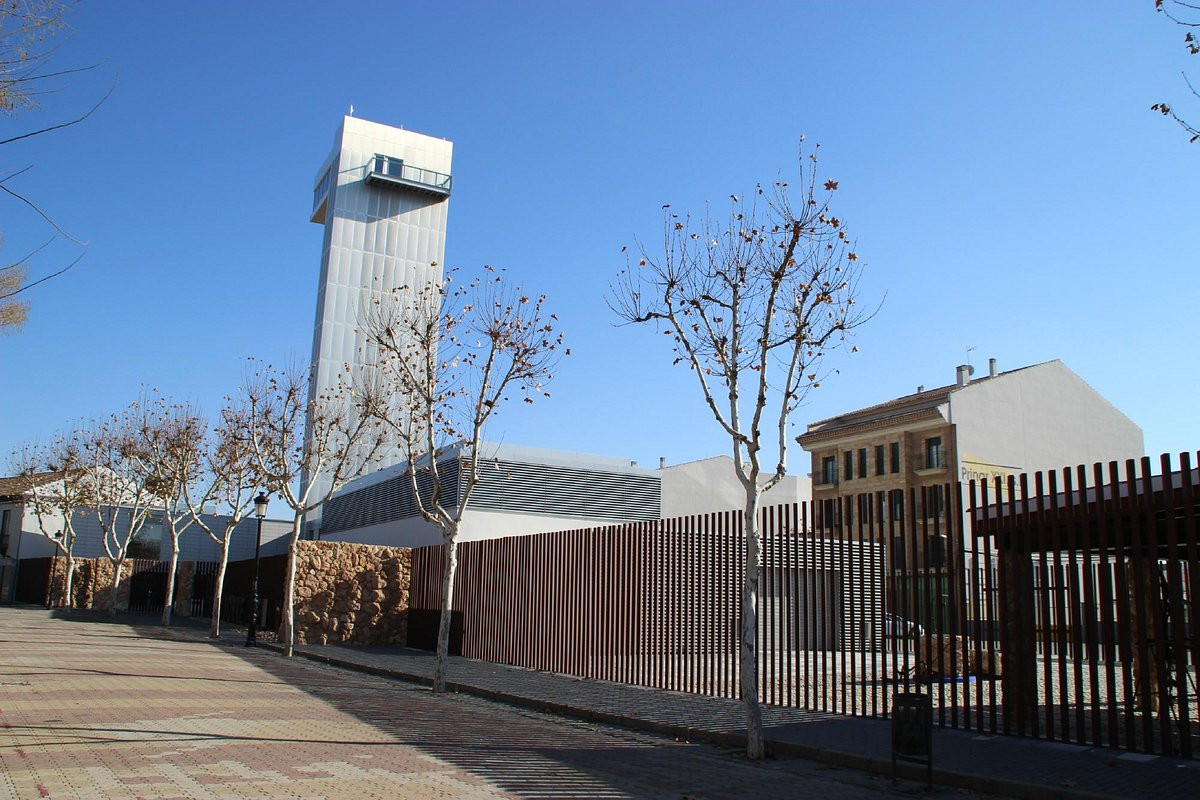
(980, 471)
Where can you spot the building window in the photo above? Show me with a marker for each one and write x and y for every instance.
(323, 187)
(862, 462)
(4, 534)
(938, 550)
(895, 457)
(147, 542)
(848, 465)
(935, 456)
(879, 459)
(935, 500)
(896, 500)
(829, 470)
(828, 514)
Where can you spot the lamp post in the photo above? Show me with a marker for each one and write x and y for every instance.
(260, 511)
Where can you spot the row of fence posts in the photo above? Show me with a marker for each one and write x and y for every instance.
(1053, 607)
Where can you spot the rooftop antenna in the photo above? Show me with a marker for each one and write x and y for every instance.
(970, 347)
(352, 109)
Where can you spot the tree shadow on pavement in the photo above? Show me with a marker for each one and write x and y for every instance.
(519, 752)
(525, 753)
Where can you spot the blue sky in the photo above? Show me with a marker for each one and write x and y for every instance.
(998, 163)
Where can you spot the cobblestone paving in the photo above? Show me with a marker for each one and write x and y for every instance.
(99, 710)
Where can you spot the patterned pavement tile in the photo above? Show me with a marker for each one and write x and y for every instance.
(95, 710)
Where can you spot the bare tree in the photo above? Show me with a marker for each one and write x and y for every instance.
(13, 313)
(345, 437)
(27, 29)
(125, 490)
(58, 483)
(1186, 15)
(229, 479)
(448, 356)
(172, 440)
(752, 304)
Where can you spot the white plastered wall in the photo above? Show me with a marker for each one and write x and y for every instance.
(1042, 417)
(710, 484)
(376, 239)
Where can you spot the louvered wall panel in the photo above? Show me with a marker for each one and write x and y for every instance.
(566, 491)
(516, 486)
(387, 500)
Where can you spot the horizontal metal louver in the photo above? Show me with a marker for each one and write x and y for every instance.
(566, 491)
(387, 500)
(545, 489)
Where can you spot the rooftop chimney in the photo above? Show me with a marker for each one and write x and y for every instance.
(662, 462)
(965, 371)
(991, 367)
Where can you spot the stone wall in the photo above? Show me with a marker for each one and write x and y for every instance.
(91, 586)
(352, 593)
(99, 586)
(185, 576)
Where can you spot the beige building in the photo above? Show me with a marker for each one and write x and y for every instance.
(1040, 417)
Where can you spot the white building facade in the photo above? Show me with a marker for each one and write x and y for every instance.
(382, 195)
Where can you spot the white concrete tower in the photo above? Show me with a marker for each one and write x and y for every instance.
(382, 195)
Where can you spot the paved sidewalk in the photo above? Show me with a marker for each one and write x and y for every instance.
(212, 701)
(991, 764)
(98, 710)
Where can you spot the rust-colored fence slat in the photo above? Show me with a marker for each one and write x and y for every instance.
(1174, 633)
(1077, 572)
(1101, 508)
(1120, 504)
(1086, 620)
(1063, 609)
(1143, 665)
(840, 576)
(1188, 500)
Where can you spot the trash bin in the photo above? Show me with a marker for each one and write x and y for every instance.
(912, 731)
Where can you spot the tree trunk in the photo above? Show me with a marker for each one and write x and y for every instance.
(68, 581)
(118, 568)
(169, 602)
(214, 630)
(443, 643)
(287, 632)
(749, 644)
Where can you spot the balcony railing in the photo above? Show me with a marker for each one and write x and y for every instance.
(389, 171)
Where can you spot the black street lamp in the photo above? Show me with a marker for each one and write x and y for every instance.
(260, 511)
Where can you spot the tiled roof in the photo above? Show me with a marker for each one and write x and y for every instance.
(18, 485)
(899, 407)
(908, 406)
(855, 426)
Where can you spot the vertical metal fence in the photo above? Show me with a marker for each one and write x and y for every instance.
(1097, 573)
(1056, 605)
